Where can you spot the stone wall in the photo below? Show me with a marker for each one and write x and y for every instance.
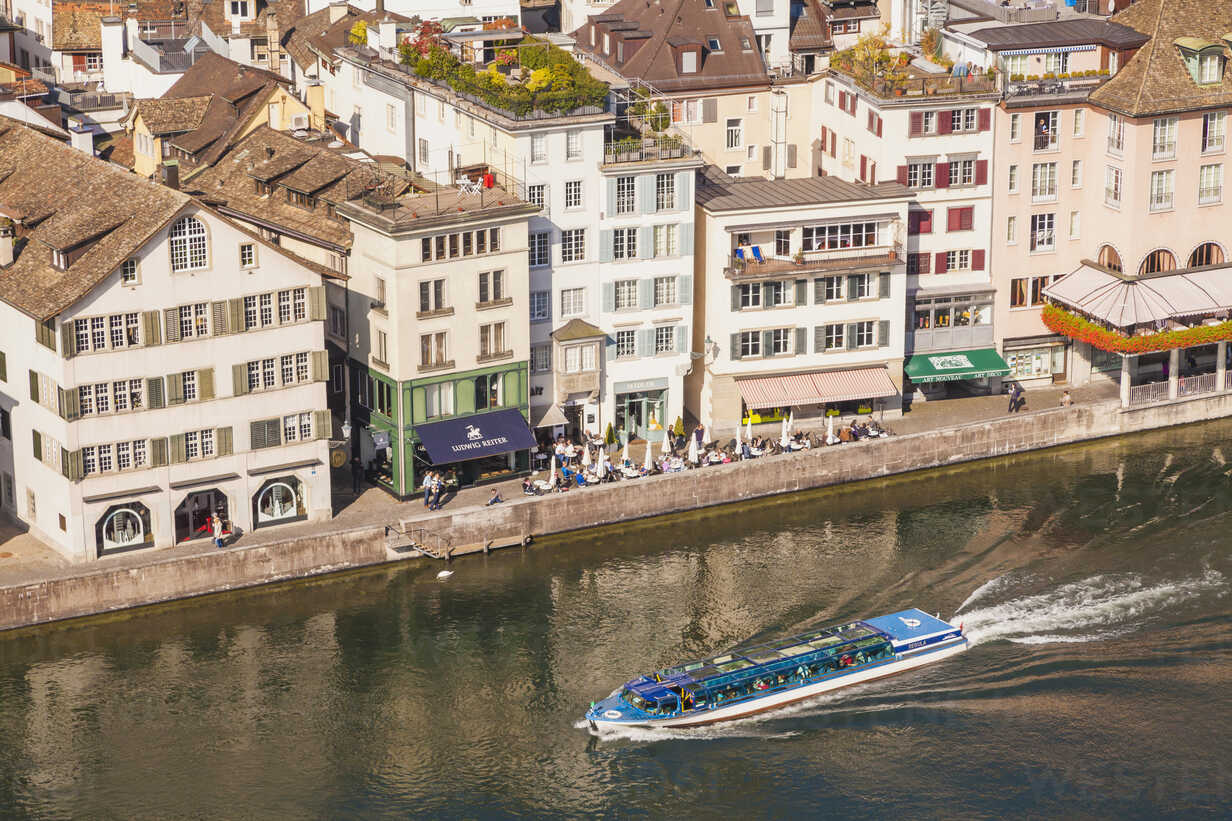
(103, 590)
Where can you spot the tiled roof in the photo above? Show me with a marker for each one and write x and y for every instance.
(811, 29)
(1156, 80)
(314, 34)
(213, 13)
(716, 191)
(1060, 33)
(76, 28)
(576, 329)
(215, 74)
(661, 26)
(88, 196)
(172, 116)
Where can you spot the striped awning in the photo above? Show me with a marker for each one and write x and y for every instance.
(1047, 50)
(816, 388)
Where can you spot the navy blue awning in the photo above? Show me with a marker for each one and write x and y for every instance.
(473, 437)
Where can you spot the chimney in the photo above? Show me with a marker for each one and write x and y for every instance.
(272, 40)
(337, 11)
(380, 6)
(7, 238)
(81, 136)
(171, 174)
(113, 50)
(314, 96)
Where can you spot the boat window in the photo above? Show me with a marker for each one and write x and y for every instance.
(637, 701)
(734, 665)
(797, 650)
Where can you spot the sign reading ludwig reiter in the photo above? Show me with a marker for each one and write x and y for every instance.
(476, 441)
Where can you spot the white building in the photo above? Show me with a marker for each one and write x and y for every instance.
(160, 364)
(801, 292)
(484, 10)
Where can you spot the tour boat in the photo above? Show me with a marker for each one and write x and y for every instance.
(764, 676)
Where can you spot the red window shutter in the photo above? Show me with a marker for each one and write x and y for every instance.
(941, 262)
(917, 124)
(926, 222)
(953, 219)
(870, 121)
(945, 122)
(985, 119)
(941, 175)
(977, 259)
(872, 173)
(966, 218)
(863, 167)
(851, 101)
(842, 100)
(902, 174)
(878, 125)
(923, 265)
(913, 223)
(981, 172)
(79, 62)
(824, 139)
(833, 143)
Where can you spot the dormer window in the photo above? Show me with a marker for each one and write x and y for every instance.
(688, 62)
(745, 44)
(239, 9)
(607, 43)
(1210, 68)
(709, 4)
(1203, 58)
(713, 44)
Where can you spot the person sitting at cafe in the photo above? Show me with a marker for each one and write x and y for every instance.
(528, 488)
(745, 452)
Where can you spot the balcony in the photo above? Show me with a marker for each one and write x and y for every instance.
(1046, 141)
(580, 382)
(1161, 201)
(779, 267)
(664, 148)
(1058, 90)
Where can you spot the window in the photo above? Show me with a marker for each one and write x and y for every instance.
(782, 243)
(572, 301)
(732, 170)
(535, 195)
(963, 119)
(833, 337)
(431, 296)
(573, 145)
(1075, 174)
(840, 236)
(491, 286)
(1028, 292)
(492, 339)
(1011, 226)
(780, 341)
(189, 382)
(626, 294)
(1210, 68)
(573, 245)
(624, 243)
(188, 245)
(832, 288)
(432, 350)
(863, 285)
(1046, 130)
(382, 347)
(391, 117)
(1163, 138)
(1080, 121)
(194, 320)
(1210, 184)
(1112, 186)
(958, 260)
(688, 62)
(248, 255)
(199, 444)
(626, 343)
(1212, 131)
(580, 358)
(920, 175)
(540, 305)
(112, 332)
(1015, 127)
(573, 194)
(541, 358)
(1042, 226)
(1075, 224)
(665, 192)
(750, 295)
(665, 291)
(665, 339)
(1043, 181)
(1013, 180)
(1116, 134)
(1057, 63)
(778, 294)
(962, 172)
(239, 8)
(750, 344)
(1208, 253)
(750, 104)
(864, 334)
(1161, 189)
(1157, 261)
(735, 134)
(297, 427)
(929, 122)
(128, 272)
(538, 148)
(540, 250)
(626, 195)
(665, 237)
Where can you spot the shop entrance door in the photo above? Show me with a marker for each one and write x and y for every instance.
(192, 517)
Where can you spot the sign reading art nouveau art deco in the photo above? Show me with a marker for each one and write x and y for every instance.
(952, 366)
(473, 437)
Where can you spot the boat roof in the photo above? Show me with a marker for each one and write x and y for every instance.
(910, 625)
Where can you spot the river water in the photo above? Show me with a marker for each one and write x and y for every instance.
(1093, 582)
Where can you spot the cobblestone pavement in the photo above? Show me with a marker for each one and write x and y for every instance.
(31, 560)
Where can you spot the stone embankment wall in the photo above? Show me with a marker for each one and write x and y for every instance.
(99, 590)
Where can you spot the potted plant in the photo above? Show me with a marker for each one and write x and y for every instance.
(798, 256)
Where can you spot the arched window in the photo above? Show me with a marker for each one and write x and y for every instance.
(123, 527)
(280, 500)
(1109, 258)
(188, 245)
(1208, 253)
(1157, 261)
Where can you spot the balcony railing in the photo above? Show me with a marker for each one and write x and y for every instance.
(1046, 142)
(1194, 385)
(1077, 87)
(1161, 201)
(1150, 392)
(648, 149)
(924, 86)
(814, 262)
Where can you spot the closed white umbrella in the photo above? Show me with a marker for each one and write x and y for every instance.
(791, 421)
(693, 449)
(552, 481)
(667, 444)
(585, 455)
(624, 455)
(737, 437)
(649, 460)
(783, 432)
(601, 470)
(829, 429)
(748, 428)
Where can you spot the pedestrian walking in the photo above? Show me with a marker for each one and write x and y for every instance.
(427, 489)
(216, 529)
(438, 486)
(357, 474)
(700, 433)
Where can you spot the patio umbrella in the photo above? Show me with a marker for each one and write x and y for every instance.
(748, 427)
(693, 449)
(601, 468)
(829, 428)
(791, 421)
(552, 480)
(649, 460)
(585, 455)
(667, 443)
(624, 455)
(737, 437)
(783, 432)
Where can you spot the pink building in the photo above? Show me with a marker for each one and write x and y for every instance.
(1115, 165)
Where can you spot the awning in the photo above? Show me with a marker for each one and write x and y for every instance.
(951, 367)
(816, 388)
(546, 416)
(473, 437)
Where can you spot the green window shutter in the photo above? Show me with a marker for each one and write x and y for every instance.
(218, 312)
(883, 333)
(235, 315)
(851, 337)
(4, 368)
(177, 451)
(257, 435)
(175, 388)
(320, 366)
(767, 340)
(38, 445)
(239, 379)
(686, 239)
(65, 467)
(802, 292)
(150, 329)
(70, 464)
(513, 390)
(34, 391)
(605, 246)
(883, 285)
(316, 303)
(205, 383)
(735, 346)
(735, 297)
(322, 424)
(609, 297)
(224, 441)
(682, 339)
(645, 292)
(70, 404)
(852, 279)
(158, 452)
(684, 289)
(645, 242)
(801, 341)
(154, 392)
(171, 324)
(819, 338)
(68, 339)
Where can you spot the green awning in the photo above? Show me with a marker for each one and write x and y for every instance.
(951, 367)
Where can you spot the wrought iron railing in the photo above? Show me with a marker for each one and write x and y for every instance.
(1150, 392)
(1194, 385)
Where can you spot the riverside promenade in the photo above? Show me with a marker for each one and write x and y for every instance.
(38, 588)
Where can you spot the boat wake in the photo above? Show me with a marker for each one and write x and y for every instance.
(739, 728)
(1095, 608)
